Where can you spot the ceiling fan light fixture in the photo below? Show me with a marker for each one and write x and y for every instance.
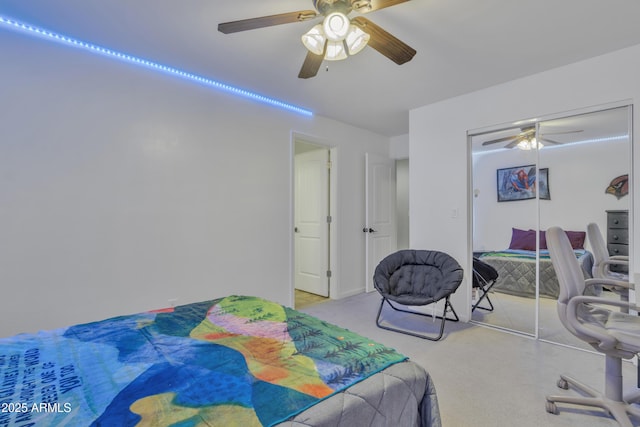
(356, 39)
(335, 51)
(336, 26)
(529, 144)
(314, 40)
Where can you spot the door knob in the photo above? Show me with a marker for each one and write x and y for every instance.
(368, 230)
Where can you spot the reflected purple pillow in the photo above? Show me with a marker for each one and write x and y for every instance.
(523, 239)
(576, 238)
(526, 239)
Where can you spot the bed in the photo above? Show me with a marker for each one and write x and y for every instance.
(517, 271)
(516, 265)
(236, 360)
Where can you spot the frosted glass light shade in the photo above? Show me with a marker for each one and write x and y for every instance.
(529, 144)
(356, 40)
(314, 40)
(336, 26)
(335, 51)
(338, 34)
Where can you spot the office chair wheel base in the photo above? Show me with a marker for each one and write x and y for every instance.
(563, 384)
(552, 408)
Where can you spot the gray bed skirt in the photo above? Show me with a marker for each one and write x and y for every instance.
(403, 395)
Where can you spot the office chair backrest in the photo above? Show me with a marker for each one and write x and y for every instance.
(598, 245)
(568, 271)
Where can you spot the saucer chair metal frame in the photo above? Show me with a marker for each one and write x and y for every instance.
(484, 277)
(418, 278)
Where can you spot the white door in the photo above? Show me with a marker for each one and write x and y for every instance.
(311, 213)
(380, 215)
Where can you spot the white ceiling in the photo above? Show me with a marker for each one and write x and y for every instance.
(463, 45)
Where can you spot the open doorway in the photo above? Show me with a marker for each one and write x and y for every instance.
(312, 223)
(402, 203)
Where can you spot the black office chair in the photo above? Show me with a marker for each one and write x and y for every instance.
(484, 277)
(417, 278)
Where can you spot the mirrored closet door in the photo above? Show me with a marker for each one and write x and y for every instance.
(504, 203)
(562, 171)
(587, 159)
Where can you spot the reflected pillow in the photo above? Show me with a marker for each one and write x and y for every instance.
(523, 239)
(526, 239)
(576, 238)
(543, 240)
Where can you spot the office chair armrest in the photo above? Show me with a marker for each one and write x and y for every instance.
(620, 257)
(605, 266)
(607, 342)
(618, 284)
(616, 260)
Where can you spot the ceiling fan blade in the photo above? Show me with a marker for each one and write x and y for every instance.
(495, 141)
(550, 141)
(512, 144)
(385, 43)
(311, 64)
(266, 21)
(563, 132)
(366, 6)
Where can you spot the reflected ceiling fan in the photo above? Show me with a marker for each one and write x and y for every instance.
(338, 36)
(526, 139)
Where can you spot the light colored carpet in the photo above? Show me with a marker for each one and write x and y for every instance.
(484, 377)
(518, 314)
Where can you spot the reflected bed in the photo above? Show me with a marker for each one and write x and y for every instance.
(517, 271)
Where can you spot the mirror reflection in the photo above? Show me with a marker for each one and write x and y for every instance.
(503, 201)
(588, 158)
(532, 176)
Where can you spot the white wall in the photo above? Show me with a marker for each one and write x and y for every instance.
(578, 177)
(122, 188)
(438, 143)
(399, 147)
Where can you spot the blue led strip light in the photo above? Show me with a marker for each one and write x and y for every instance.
(138, 61)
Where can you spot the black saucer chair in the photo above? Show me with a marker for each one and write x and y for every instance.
(418, 278)
(484, 277)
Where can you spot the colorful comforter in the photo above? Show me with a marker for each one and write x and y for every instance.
(232, 361)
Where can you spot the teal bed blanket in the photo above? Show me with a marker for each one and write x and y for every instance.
(234, 361)
(519, 254)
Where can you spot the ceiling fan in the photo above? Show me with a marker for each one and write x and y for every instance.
(526, 139)
(338, 36)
